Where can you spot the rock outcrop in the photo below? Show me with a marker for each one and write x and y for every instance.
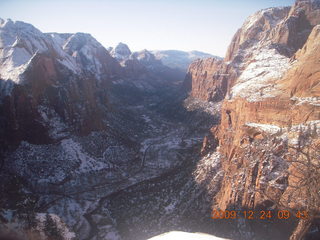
(272, 102)
(120, 52)
(51, 84)
(208, 79)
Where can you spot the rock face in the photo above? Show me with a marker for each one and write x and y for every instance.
(272, 101)
(121, 52)
(77, 126)
(89, 55)
(208, 79)
(51, 83)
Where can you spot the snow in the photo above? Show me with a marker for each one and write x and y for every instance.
(257, 80)
(212, 108)
(294, 128)
(292, 133)
(272, 129)
(209, 172)
(253, 19)
(74, 150)
(304, 126)
(176, 235)
(14, 61)
(84, 49)
(121, 52)
(16, 222)
(307, 100)
(19, 43)
(66, 233)
(58, 129)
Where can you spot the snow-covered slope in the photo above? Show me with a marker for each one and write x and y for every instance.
(120, 52)
(19, 44)
(89, 54)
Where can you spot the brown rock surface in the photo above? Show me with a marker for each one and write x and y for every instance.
(302, 79)
(60, 91)
(208, 79)
(257, 132)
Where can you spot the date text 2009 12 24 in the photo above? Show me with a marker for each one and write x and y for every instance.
(258, 215)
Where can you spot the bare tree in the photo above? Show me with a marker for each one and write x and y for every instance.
(302, 195)
(304, 184)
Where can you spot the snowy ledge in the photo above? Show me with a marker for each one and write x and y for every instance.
(294, 128)
(265, 127)
(307, 100)
(290, 133)
(256, 82)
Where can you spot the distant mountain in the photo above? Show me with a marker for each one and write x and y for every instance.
(120, 52)
(173, 59)
(144, 64)
(180, 59)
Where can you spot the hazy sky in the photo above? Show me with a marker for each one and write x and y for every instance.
(204, 25)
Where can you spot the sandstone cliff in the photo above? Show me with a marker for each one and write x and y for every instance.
(271, 103)
(51, 84)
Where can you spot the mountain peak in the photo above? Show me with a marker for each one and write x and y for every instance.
(121, 51)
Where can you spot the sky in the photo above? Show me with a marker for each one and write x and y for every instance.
(203, 25)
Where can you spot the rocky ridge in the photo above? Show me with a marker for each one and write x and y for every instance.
(79, 127)
(144, 65)
(271, 102)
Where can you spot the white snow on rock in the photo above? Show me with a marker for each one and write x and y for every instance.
(291, 134)
(268, 13)
(16, 223)
(257, 80)
(272, 129)
(74, 151)
(121, 52)
(65, 232)
(212, 108)
(19, 43)
(175, 235)
(85, 51)
(58, 129)
(307, 100)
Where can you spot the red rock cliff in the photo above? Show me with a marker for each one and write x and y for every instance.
(272, 99)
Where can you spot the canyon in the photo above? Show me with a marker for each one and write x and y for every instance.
(114, 144)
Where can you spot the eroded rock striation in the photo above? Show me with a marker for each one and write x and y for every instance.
(269, 80)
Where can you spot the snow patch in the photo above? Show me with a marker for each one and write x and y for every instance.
(272, 129)
(257, 80)
(65, 232)
(307, 100)
(58, 129)
(87, 163)
(19, 43)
